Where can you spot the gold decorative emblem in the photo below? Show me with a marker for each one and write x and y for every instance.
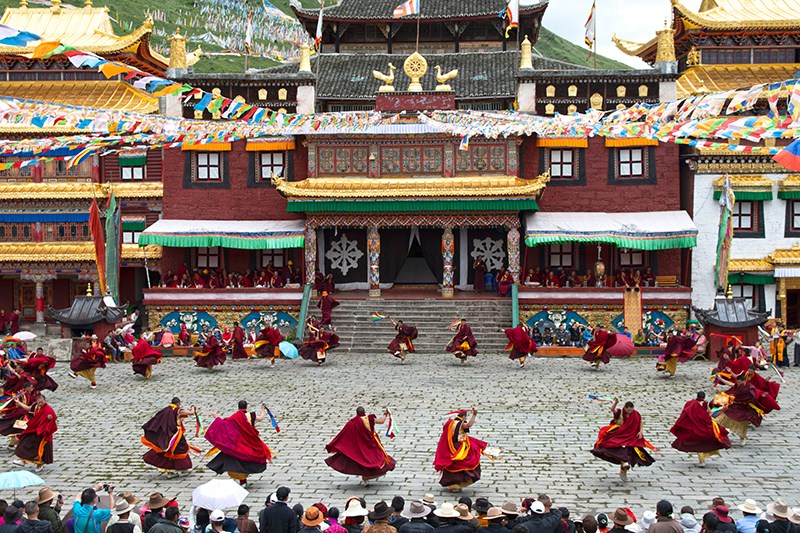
(596, 100)
(444, 78)
(415, 67)
(387, 79)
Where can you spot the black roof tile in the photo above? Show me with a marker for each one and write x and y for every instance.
(87, 310)
(430, 9)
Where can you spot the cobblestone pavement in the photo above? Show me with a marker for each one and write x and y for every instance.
(539, 414)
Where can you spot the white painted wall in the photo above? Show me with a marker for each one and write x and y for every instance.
(706, 217)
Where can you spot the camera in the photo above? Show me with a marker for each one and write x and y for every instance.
(107, 487)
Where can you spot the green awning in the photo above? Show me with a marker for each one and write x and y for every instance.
(133, 224)
(396, 206)
(748, 195)
(244, 234)
(133, 160)
(787, 194)
(744, 278)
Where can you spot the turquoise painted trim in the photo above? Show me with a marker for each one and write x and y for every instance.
(515, 305)
(301, 318)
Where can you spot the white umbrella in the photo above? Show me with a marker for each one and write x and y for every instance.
(219, 494)
(25, 336)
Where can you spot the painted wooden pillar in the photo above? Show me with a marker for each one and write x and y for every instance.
(39, 302)
(512, 242)
(310, 253)
(448, 253)
(374, 259)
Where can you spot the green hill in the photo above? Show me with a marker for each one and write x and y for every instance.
(217, 29)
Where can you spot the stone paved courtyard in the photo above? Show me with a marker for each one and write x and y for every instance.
(539, 414)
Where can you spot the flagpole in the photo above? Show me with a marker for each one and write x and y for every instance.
(419, 17)
(319, 50)
(594, 45)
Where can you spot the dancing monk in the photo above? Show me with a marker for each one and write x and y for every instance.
(213, 355)
(326, 305)
(743, 409)
(144, 357)
(36, 440)
(458, 456)
(622, 442)
(463, 344)
(268, 343)
(165, 435)
(696, 431)
(88, 361)
(520, 343)
(241, 450)
(402, 343)
(37, 366)
(357, 450)
(598, 345)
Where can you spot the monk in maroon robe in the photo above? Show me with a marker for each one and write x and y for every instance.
(479, 267)
(315, 349)
(88, 361)
(326, 305)
(144, 357)
(463, 344)
(241, 450)
(14, 322)
(458, 456)
(357, 450)
(319, 283)
(37, 366)
(238, 351)
(213, 355)
(35, 444)
(268, 343)
(743, 409)
(165, 435)
(520, 343)
(696, 431)
(403, 342)
(504, 282)
(597, 347)
(3, 321)
(184, 337)
(622, 441)
(12, 415)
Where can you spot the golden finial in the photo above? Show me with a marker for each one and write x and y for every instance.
(693, 57)
(415, 67)
(87, 3)
(305, 58)
(666, 45)
(56, 6)
(23, 3)
(177, 50)
(89, 289)
(526, 55)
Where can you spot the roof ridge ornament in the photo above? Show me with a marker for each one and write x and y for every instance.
(56, 6)
(526, 55)
(415, 66)
(23, 3)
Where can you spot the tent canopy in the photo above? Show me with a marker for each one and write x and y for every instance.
(244, 234)
(655, 230)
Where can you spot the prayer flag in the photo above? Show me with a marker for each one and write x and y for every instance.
(96, 228)
(512, 15)
(391, 428)
(789, 157)
(377, 317)
(248, 34)
(745, 100)
(464, 144)
(409, 7)
(773, 95)
(318, 37)
(12, 37)
(113, 250)
(600, 398)
(198, 426)
(272, 419)
(725, 236)
(793, 106)
(591, 29)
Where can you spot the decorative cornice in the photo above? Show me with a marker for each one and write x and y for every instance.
(74, 251)
(70, 190)
(750, 265)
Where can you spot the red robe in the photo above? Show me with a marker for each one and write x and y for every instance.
(238, 351)
(36, 441)
(165, 435)
(37, 366)
(268, 341)
(14, 321)
(695, 431)
(744, 406)
(326, 305)
(520, 344)
(184, 337)
(597, 347)
(620, 442)
(144, 356)
(767, 393)
(464, 342)
(357, 450)
(479, 283)
(405, 335)
(214, 354)
(237, 437)
(459, 461)
(504, 283)
(91, 357)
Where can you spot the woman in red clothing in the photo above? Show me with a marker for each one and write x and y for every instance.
(622, 442)
(458, 456)
(696, 431)
(357, 450)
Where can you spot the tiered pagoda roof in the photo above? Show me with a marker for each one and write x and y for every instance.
(441, 10)
(701, 79)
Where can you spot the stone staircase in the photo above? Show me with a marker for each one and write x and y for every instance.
(359, 335)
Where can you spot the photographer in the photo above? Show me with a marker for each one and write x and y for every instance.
(85, 512)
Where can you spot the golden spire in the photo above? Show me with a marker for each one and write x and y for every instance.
(666, 44)
(89, 289)
(177, 50)
(56, 6)
(23, 3)
(526, 56)
(87, 3)
(305, 58)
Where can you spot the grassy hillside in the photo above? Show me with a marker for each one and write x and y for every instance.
(216, 28)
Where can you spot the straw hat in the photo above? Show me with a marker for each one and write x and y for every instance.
(751, 507)
(447, 510)
(157, 501)
(794, 518)
(354, 509)
(779, 509)
(509, 508)
(312, 517)
(416, 509)
(494, 513)
(122, 507)
(46, 495)
(463, 512)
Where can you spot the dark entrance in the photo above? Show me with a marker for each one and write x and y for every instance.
(415, 270)
(792, 317)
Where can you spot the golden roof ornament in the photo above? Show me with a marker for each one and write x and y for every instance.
(526, 56)
(56, 6)
(693, 57)
(177, 50)
(23, 3)
(87, 3)
(666, 45)
(305, 58)
(415, 67)
(442, 79)
(387, 79)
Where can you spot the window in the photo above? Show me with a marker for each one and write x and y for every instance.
(631, 258)
(274, 256)
(271, 163)
(209, 167)
(793, 225)
(562, 164)
(560, 256)
(132, 173)
(631, 163)
(743, 216)
(208, 257)
(747, 292)
(131, 237)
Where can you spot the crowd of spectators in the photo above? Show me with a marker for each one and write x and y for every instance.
(562, 278)
(219, 278)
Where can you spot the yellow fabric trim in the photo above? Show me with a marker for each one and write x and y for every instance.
(623, 143)
(562, 142)
(209, 147)
(271, 146)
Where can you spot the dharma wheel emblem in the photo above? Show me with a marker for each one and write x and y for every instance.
(415, 67)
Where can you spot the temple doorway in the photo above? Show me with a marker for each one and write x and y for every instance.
(415, 270)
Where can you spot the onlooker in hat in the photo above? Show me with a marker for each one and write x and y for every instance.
(332, 517)
(397, 519)
(481, 507)
(379, 517)
(155, 504)
(762, 526)
(664, 521)
(87, 518)
(688, 521)
(620, 518)
(47, 511)
(726, 524)
(542, 520)
(133, 517)
(780, 510)
(416, 513)
(354, 515)
(122, 515)
(648, 519)
(31, 523)
(312, 518)
(465, 515)
(169, 524)
(509, 509)
(298, 511)
(243, 522)
(430, 501)
(602, 523)
(750, 512)
(449, 520)
(589, 524)
(217, 518)
(277, 517)
(11, 519)
(710, 522)
(495, 520)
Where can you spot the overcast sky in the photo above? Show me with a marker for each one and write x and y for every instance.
(634, 20)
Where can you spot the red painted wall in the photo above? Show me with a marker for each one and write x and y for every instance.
(7, 295)
(62, 293)
(239, 202)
